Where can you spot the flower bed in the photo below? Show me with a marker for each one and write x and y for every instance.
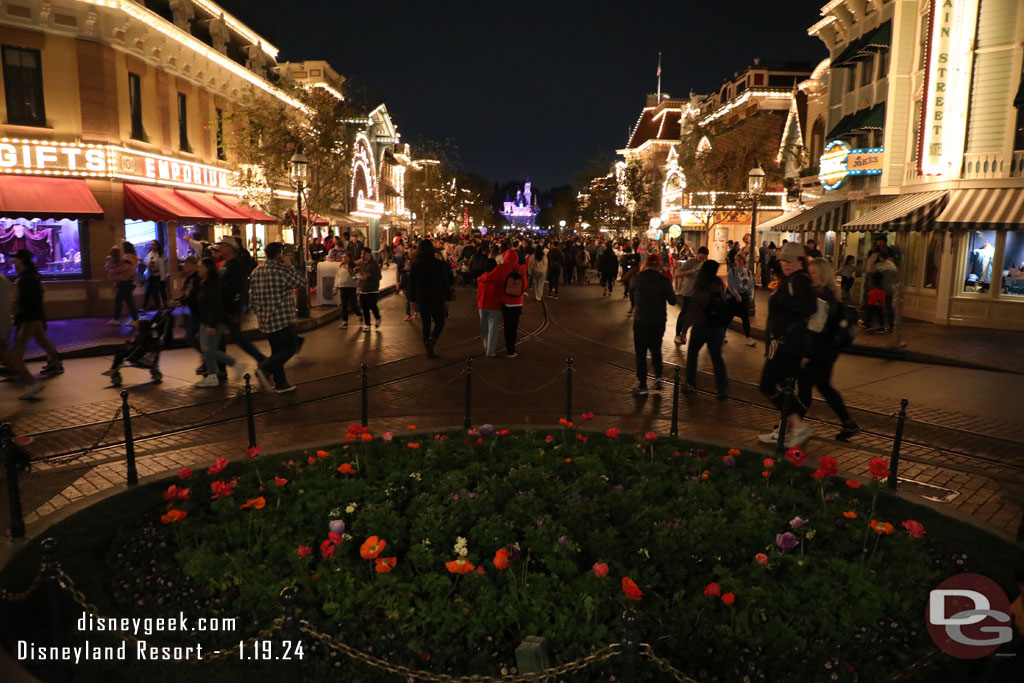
(412, 546)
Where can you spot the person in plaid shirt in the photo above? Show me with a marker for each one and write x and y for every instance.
(270, 297)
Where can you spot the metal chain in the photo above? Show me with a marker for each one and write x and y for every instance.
(924, 661)
(174, 423)
(262, 635)
(7, 596)
(601, 655)
(646, 651)
(90, 449)
(506, 390)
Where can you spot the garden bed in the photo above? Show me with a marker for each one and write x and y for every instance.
(442, 552)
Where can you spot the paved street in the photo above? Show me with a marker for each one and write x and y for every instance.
(962, 438)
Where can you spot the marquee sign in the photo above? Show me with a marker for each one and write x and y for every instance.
(839, 161)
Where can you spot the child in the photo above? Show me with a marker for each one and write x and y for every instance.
(876, 304)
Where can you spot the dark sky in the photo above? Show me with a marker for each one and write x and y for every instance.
(532, 88)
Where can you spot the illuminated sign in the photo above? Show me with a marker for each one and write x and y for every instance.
(134, 165)
(950, 57)
(367, 208)
(839, 161)
(52, 158)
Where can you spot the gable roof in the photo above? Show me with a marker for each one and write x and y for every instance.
(656, 123)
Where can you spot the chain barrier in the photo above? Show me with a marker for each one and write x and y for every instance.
(7, 596)
(919, 664)
(175, 423)
(601, 655)
(505, 389)
(404, 392)
(90, 449)
(661, 663)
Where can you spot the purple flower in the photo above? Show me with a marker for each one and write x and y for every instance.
(754, 495)
(540, 522)
(485, 430)
(471, 495)
(562, 540)
(455, 496)
(729, 460)
(618, 487)
(691, 471)
(829, 498)
(786, 541)
(840, 523)
(796, 522)
(337, 526)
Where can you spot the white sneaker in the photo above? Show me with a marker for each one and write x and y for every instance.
(751, 342)
(207, 382)
(114, 322)
(238, 370)
(343, 325)
(772, 437)
(134, 323)
(799, 436)
(264, 380)
(31, 390)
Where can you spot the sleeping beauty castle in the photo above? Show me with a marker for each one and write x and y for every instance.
(521, 212)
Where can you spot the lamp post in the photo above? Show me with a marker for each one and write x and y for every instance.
(298, 167)
(755, 186)
(631, 208)
(561, 227)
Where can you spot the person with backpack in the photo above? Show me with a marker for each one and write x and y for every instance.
(554, 258)
(628, 262)
(488, 301)
(705, 319)
(513, 281)
(825, 347)
(738, 292)
(157, 274)
(652, 295)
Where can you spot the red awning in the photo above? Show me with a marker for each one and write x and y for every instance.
(307, 218)
(255, 215)
(207, 203)
(149, 203)
(35, 197)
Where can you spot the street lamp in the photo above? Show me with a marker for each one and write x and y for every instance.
(755, 186)
(561, 227)
(631, 208)
(298, 168)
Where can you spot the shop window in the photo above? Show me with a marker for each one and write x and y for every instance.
(980, 252)
(932, 259)
(183, 232)
(220, 135)
(1013, 264)
(183, 123)
(922, 41)
(23, 84)
(912, 258)
(54, 243)
(140, 234)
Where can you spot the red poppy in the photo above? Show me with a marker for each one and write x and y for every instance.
(853, 484)
(311, 460)
(915, 529)
(479, 442)
(175, 493)
(580, 437)
(819, 475)
(346, 468)
(879, 468)
(480, 570)
(734, 452)
(501, 558)
(173, 516)
(768, 463)
(218, 466)
(334, 537)
(761, 558)
(565, 423)
(568, 459)
(258, 503)
(612, 432)
(503, 432)
(385, 564)
(460, 566)
(829, 465)
(630, 588)
(372, 547)
(729, 598)
(304, 551)
(549, 438)
(280, 481)
(254, 451)
(650, 436)
(367, 437)
(600, 570)
(221, 489)
(587, 417)
(413, 445)
(850, 514)
(322, 454)
(327, 548)
(713, 589)
(185, 473)
(411, 428)
(766, 473)
(704, 475)
(797, 456)
(425, 656)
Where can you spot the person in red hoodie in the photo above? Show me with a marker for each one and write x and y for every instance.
(488, 300)
(509, 280)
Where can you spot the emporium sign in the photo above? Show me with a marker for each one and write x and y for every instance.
(839, 161)
(36, 157)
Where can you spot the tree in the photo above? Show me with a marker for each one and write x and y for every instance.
(432, 190)
(640, 183)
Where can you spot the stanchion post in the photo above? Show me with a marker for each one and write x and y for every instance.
(674, 430)
(467, 421)
(250, 417)
(51, 579)
(897, 443)
(364, 419)
(787, 402)
(568, 389)
(13, 492)
(630, 646)
(129, 441)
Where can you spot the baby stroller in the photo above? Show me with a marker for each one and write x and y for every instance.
(144, 350)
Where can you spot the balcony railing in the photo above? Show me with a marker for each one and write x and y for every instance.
(1017, 165)
(984, 166)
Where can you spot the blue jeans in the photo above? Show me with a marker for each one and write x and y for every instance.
(489, 321)
(700, 334)
(209, 341)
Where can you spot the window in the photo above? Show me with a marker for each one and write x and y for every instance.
(220, 136)
(183, 123)
(740, 87)
(135, 105)
(23, 83)
(781, 81)
(851, 78)
(1013, 264)
(140, 234)
(883, 63)
(55, 245)
(867, 72)
(922, 42)
(980, 252)
(817, 141)
(932, 259)
(916, 130)
(758, 79)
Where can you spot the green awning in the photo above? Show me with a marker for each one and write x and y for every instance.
(858, 122)
(879, 39)
(865, 46)
(847, 57)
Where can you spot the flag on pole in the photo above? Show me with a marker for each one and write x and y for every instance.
(659, 63)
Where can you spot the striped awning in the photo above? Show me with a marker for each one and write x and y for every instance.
(778, 220)
(991, 208)
(823, 216)
(916, 211)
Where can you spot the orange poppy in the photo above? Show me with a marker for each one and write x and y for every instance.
(565, 423)
(173, 516)
(385, 564)
(372, 547)
(853, 484)
(413, 445)
(411, 428)
(766, 473)
(568, 459)
(459, 566)
(501, 558)
(881, 527)
(258, 503)
(367, 437)
(322, 454)
(347, 468)
(734, 452)
(850, 514)
(630, 588)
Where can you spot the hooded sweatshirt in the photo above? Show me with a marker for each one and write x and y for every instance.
(499, 275)
(487, 295)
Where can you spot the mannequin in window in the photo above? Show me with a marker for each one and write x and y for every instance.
(983, 261)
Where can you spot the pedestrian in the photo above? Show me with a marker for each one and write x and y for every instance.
(121, 265)
(789, 309)
(739, 292)
(430, 288)
(817, 371)
(234, 285)
(368, 287)
(345, 283)
(537, 272)
(271, 292)
(189, 299)
(812, 249)
(875, 308)
(7, 355)
(213, 323)
(847, 274)
(762, 262)
(653, 294)
(705, 319)
(582, 263)
(382, 252)
(488, 301)
(158, 272)
(890, 273)
(554, 258)
(608, 269)
(628, 262)
(510, 279)
(687, 275)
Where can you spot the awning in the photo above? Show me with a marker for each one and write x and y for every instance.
(255, 215)
(307, 218)
(207, 203)
(916, 211)
(161, 204)
(990, 208)
(778, 220)
(823, 216)
(865, 46)
(865, 119)
(35, 197)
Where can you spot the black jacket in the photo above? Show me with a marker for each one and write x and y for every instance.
(789, 308)
(430, 282)
(30, 298)
(608, 263)
(700, 298)
(234, 281)
(210, 309)
(653, 293)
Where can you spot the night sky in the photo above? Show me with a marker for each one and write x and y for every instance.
(534, 89)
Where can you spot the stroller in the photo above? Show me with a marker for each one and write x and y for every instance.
(144, 350)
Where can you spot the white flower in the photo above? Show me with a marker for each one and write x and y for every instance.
(425, 542)
(334, 513)
(416, 476)
(351, 508)
(346, 537)
(460, 546)
(643, 551)
(810, 534)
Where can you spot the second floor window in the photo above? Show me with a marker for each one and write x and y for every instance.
(23, 84)
(135, 105)
(851, 78)
(183, 123)
(867, 71)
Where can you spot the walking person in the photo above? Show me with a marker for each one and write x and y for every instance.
(739, 292)
(234, 284)
(537, 272)
(121, 266)
(582, 263)
(271, 294)
(29, 317)
(157, 274)
(554, 258)
(817, 371)
(510, 280)
(488, 301)
(345, 283)
(789, 309)
(368, 287)
(686, 273)
(608, 269)
(213, 323)
(402, 280)
(628, 261)
(705, 319)
(430, 288)
(890, 273)
(847, 274)
(653, 294)
(7, 355)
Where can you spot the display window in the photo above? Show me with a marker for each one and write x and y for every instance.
(932, 260)
(980, 251)
(183, 232)
(140, 234)
(912, 258)
(1013, 264)
(55, 244)
(256, 239)
(288, 235)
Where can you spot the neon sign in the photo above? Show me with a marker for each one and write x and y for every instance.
(839, 161)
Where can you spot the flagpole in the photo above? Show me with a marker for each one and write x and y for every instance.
(659, 76)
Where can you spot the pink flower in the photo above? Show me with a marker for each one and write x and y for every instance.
(174, 493)
(387, 436)
(549, 438)
(915, 529)
(713, 589)
(587, 417)
(221, 489)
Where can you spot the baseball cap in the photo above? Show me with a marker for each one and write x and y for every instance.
(792, 251)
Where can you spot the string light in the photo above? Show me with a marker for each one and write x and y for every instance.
(742, 99)
(239, 28)
(814, 30)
